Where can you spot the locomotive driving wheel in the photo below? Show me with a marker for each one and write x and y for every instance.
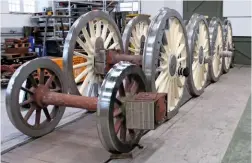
(228, 44)
(91, 32)
(122, 82)
(135, 34)
(166, 57)
(216, 44)
(199, 45)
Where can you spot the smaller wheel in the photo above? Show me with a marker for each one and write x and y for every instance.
(122, 82)
(36, 121)
(216, 44)
(135, 34)
(228, 44)
(199, 45)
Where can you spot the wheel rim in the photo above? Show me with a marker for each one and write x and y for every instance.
(228, 42)
(166, 41)
(198, 40)
(135, 34)
(216, 41)
(32, 122)
(111, 114)
(83, 34)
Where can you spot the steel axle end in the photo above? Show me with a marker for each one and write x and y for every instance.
(226, 54)
(184, 71)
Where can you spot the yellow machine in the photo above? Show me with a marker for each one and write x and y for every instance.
(76, 60)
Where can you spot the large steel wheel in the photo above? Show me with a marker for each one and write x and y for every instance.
(36, 120)
(165, 53)
(199, 45)
(122, 82)
(216, 44)
(135, 34)
(83, 39)
(228, 44)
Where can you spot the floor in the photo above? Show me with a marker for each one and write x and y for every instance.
(202, 132)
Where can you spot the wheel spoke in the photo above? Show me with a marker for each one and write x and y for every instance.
(30, 100)
(123, 132)
(181, 59)
(164, 85)
(122, 91)
(179, 83)
(82, 74)
(145, 30)
(41, 76)
(48, 117)
(134, 50)
(180, 49)
(49, 81)
(117, 112)
(33, 81)
(84, 46)
(27, 90)
(113, 45)
(104, 31)
(178, 40)
(118, 125)
(134, 88)
(86, 36)
(85, 82)
(91, 28)
(29, 113)
(57, 89)
(81, 55)
(118, 102)
(82, 64)
(108, 39)
(37, 117)
(176, 92)
(195, 65)
(160, 78)
(169, 40)
(98, 29)
(132, 41)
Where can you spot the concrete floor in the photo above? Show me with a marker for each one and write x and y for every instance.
(11, 137)
(200, 133)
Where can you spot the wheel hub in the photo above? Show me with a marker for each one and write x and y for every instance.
(99, 57)
(201, 55)
(173, 65)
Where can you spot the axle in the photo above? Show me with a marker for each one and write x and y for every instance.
(42, 96)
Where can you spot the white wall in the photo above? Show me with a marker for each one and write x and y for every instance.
(239, 13)
(151, 7)
(12, 20)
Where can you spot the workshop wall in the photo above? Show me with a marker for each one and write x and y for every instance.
(239, 13)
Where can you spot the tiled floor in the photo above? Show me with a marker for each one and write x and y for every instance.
(199, 133)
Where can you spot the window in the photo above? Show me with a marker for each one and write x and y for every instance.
(14, 5)
(129, 6)
(29, 6)
(23, 6)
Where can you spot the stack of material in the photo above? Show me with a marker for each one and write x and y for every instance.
(16, 52)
